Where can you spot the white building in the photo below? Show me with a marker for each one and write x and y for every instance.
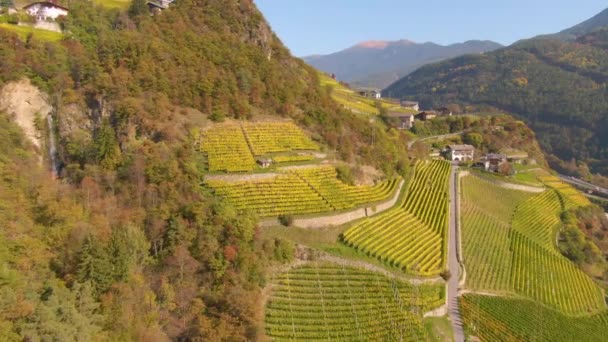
(45, 10)
(460, 152)
(371, 93)
(410, 105)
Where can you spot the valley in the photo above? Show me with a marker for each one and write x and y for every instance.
(170, 172)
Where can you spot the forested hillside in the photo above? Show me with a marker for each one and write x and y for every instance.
(126, 244)
(559, 88)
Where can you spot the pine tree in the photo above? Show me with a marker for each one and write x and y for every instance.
(95, 265)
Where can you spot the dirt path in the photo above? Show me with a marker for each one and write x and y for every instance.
(454, 260)
(442, 136)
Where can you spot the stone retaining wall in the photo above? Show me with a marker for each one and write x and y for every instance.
(340, 218)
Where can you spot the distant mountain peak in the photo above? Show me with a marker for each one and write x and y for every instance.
(373, 44)
(383, 44)
(378, 63)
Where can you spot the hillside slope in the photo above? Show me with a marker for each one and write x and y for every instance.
(558, 87)
(380, 63)
(128, 222)
(588, 26)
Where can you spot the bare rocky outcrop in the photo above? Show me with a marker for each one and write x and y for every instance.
(24, 102)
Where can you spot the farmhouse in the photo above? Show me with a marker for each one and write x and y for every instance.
(371, 93)
(426, 115)
(492, 161)
(45, 10)
(403, 120)
(444, 111)
(410, 105)
(460, 152)
(517, 157)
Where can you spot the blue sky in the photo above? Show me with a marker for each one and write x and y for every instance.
(324, 26)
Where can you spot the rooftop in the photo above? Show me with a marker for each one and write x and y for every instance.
(461, 147)
(45, 3)
(399, 114)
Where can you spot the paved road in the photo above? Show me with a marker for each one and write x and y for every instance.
(453, 261)
(583, 184)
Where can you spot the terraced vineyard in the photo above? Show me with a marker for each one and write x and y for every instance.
(339, 195)
(538, 219)
(231, 147)
(227, 149)
(486, 251)
(331, 302)
(412, 235)
(270, 137)
(487, 210)
(300, 191)
(552, 279)
(509, 319)
(520, 255)
(572, 197)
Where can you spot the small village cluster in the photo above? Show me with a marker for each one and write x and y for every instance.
(405, 120)
(51, 10)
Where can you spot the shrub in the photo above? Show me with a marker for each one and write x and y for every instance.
(345, 174)
(286, 220)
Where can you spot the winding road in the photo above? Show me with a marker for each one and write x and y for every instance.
(432, 137)
(454, 260)
(582, 184)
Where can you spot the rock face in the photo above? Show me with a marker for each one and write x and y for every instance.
(23, 101)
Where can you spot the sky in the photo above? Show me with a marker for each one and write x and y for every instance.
(310, 27)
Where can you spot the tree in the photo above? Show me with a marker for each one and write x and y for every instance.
(474, 139)
(108, 152)
(94, 265)
(506, 169)
(138, 7)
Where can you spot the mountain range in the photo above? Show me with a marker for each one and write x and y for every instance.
(380, 63)
(556, 83)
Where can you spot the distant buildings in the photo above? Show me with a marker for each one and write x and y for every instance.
(404, 120)
(427, 115)
(460, 152)
(492, 161)
(371, 93)
(45, 10)
(413, 105)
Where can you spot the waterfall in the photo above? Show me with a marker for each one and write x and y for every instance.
(52, 146)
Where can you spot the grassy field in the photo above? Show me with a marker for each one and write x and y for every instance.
(24, 31)
(332, 302)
